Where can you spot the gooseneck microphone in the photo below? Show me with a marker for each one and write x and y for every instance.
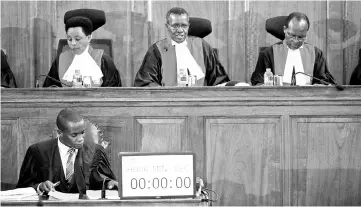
(37, 81)
(339, 87)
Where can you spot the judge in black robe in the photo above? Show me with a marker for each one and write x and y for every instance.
(7, 76)
(111, 76)
(159, 66)
(275, 57)
(79, 25)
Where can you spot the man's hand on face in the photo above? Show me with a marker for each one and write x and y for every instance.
(112, 184)
(46, 186)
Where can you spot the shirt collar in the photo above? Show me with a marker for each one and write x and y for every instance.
(182, 43)
(284, 43)
(83, 53)
(63, 149)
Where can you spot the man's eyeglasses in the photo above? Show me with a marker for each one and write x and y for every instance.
(295, 37)
(177, 26)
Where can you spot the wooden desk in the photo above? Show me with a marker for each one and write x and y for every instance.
(149, 202)
(254, 145)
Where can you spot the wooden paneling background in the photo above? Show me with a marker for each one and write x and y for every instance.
(263, 146)
(30, 31)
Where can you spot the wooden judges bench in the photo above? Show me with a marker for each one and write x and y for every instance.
(254, 145)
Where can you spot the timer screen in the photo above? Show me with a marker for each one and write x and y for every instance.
(157, 175)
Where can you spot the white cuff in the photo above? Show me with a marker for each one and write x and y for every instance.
(38, 190)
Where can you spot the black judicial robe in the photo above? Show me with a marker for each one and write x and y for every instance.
(42, 162)
(160, 62)
(266, 60)
(111, 77)
(7, 76)
(356, 76)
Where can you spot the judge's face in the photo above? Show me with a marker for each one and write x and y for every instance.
(296, 33)
(77, 40)
(73, 135)
(178, 26)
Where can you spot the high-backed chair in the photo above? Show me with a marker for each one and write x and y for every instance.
(105, 44)
(274, 26)
(201, 28)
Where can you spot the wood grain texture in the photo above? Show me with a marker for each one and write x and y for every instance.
(267, 129)
(30, 31)
(326, 161)
(160, 135)
(243, 160)
(9, 153)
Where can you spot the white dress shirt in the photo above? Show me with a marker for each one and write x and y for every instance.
(294, 59)
(87, 66)
(185, 60)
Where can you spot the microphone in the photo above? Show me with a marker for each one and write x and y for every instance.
(339, 87)
(37, 81)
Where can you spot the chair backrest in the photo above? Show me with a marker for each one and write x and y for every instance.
(105, 44)
(274, 26)
(199, 27)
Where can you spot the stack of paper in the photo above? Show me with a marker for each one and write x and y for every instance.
(96, 194)
(19, 194)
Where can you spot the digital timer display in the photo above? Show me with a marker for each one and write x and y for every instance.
(149, 175)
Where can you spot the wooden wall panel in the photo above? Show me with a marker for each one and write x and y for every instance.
(9, 153)
(160, 134)
(243, 157)
(326, 167)
(30, 31)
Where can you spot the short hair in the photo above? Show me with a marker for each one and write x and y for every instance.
(79, 21)
(65, 116)
(299, 16)
(177, 11)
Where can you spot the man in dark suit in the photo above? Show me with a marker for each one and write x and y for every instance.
(67, 164)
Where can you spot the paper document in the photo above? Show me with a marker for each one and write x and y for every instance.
(64, 196)
(96, 194)
(19, 194)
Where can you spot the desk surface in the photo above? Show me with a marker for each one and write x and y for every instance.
(107, 202)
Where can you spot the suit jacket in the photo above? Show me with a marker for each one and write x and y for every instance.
(42, 162)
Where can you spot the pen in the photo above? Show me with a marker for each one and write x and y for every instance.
(56, 184)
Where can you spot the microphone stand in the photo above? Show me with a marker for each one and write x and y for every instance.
(37, 81)
(339, 87)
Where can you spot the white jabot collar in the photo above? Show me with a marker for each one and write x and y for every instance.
(294, 59)
(186, 60)
(87, 66)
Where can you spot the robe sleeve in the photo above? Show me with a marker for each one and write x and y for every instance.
(356, 76)
(111, 74)
(215, 72)
(320, 69)
(29, 170)
(7, 76)
(149, 73)
(100, 169)
(264, 61)
(54, 73)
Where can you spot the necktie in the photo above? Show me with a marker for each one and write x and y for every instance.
(70, 165)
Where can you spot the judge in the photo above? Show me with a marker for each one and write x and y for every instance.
(293, 52)
(79, 25)
(164, 59)
(71, 161)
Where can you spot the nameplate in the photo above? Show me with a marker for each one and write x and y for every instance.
(157, 175)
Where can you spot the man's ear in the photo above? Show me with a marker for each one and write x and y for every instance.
(89, 37)
(284, 29)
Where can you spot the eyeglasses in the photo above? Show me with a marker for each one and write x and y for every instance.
(295, 37)
(177, 26)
